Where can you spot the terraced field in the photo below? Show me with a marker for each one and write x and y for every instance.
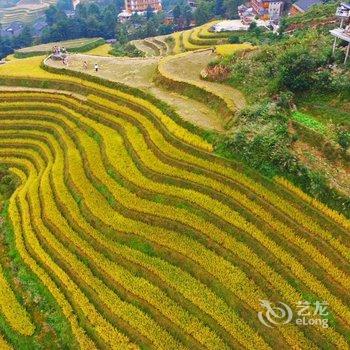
(102, 50)
(144, 238)
(140, 73)
(75, 45)
(182, 72)
(25, 13)
(200, 38)
(156, 46)
(188, 40)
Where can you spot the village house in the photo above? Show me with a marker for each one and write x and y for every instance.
(343, 32)
(139, 7)
(302, 6)
(268, 9)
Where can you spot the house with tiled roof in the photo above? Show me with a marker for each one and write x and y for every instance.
(302, 6)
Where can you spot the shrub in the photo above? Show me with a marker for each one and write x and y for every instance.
(344, 139)
(252, 26)
(8, 183)
(323, 80)
(234, 39)
(341, 83)
(296, 68)
(128, 49)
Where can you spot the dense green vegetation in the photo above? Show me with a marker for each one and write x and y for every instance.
(7, 183)
(90, 20)
(283, 73)
(262, 139)
(8, 44)
(316, 15)
(128, 50)
(295, 64)
(308, 121)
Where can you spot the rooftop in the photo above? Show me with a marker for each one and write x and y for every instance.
(304, 5)
(343, 10)
(341, 34)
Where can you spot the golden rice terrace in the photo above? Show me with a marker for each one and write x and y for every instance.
(137, 236)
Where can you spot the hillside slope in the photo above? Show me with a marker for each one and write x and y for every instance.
(145, 239)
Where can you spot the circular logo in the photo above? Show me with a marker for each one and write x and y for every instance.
(273, 314)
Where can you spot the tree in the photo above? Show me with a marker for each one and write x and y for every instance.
(81, 11)
(121, 33)
(234, 39)
(219, 8)
(297, 66)
(51, 15)
(94, 27)
(176, 13)
(136, 19)
(64, 5)
(252, 26)
(231, 8)
(109, 21)
(25, 38)
(151, 28)
(5, 47)
(119, 5)
(204, 12)
(187, 14)
(165, 29)
(94, 11)
(149, 12)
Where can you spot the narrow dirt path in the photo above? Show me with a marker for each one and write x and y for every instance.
(139, 73)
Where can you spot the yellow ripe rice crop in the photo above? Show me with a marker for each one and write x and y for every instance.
(12, 310)
(32, 65)
(229, 49)
(178, 42)
(332, 214)
(187, 44)
(145, 239)
(192, 39)
(102, 50)
(4, 345)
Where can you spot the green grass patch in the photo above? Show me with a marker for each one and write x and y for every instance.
(143, 247)
(327, 108)
(308, 121)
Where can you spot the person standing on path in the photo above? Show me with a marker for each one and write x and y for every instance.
(96, 67)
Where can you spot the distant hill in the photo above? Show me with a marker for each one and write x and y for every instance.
(7, 3)
(25, 11)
